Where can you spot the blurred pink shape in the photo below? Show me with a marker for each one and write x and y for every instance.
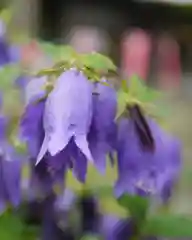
(168, 63)
(136, 50)
(33, 57)
(30, 52)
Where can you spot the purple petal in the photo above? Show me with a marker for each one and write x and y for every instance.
(31, 127)
(102, 133)
(35, 89)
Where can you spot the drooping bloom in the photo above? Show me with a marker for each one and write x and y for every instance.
(10, 175)
(31, 127)
(143, 171)
(102, 133)
(68, 112)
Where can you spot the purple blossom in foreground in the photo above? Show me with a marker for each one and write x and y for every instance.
(68, 112)
(102, 133)
(142, 171)
(31, 127)
(10, 175)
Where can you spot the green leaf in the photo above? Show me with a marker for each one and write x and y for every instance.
(6, 15)
(97, 62)
(8, 75)
(169, 225)
(124, 86)
(136, 206)
(59, 52)
(121, 103)
(91, 237)
(11, 226)
(138, 90)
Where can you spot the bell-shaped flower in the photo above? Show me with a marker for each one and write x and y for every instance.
(142, 171)
(102, 133)
(31, 127)
(10, 177)
(68, 112)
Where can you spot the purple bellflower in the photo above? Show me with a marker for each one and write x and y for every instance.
(31, 127)
(141, 170)
(102, 133)
(68, 112)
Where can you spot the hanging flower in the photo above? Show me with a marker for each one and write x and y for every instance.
(31, 127)
(67, 115)
(142, 171)
(102, 133)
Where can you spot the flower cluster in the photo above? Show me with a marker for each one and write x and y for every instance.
(69, 121)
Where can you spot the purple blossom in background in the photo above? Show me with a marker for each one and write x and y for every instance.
(21, 82)
(102, 133)
(10, 174)
(4, 52)
(8, 53)
(50, 227)
(34, 89)
(113, 228)
(68, 112)
(14, 53)
(144, 172)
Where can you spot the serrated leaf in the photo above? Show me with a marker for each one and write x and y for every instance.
(137, 206)
(121, 103)
(140, 91)
(97, 62)
(169, 225)
(67, 53)
(59, 52)
(124, 85)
